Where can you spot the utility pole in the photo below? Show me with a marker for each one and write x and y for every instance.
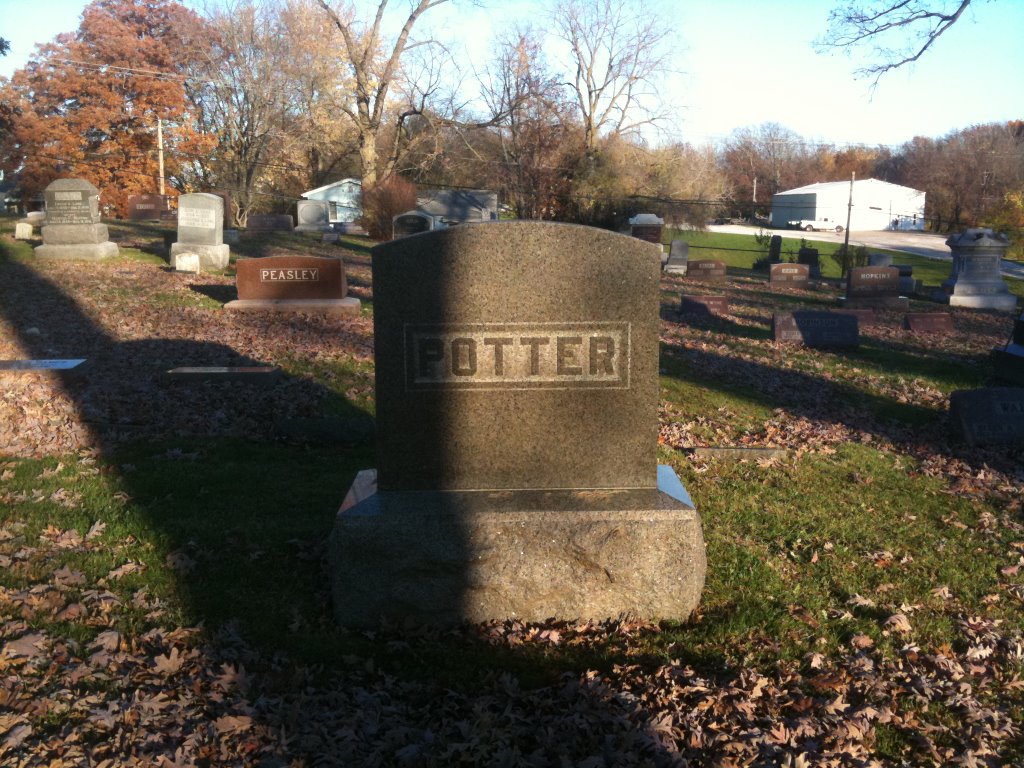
(754, 198)
(849, 210)
(160, 150)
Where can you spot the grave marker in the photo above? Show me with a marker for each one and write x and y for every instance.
(73, 229)
(22, 231)
(928, 322)
(703, 305)
(789, 275)
(989, 416)
(269, 222)
(411, 223)
(146, 207)
(809, 256)
(976, 279)
(496, 364)
(706, 269)
(816, 329)
(201, 231)
(647, 226)
(678, 258)
(775, 249)
(313, 216)
(874, 287)
(293, 284)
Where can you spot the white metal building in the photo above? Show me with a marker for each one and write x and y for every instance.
(877, 205)
(344, 199)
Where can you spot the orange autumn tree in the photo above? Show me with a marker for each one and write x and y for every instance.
(87, 104)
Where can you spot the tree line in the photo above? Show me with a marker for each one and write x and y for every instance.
(268, 98)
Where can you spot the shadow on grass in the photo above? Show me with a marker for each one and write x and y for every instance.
(219, 293)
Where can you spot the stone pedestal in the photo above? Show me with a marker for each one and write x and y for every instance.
(210, 256)
(440, 558)
(73, 229)
(976, 280)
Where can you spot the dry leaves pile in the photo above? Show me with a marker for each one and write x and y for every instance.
(133, 322)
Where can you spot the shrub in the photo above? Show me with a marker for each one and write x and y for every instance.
(852, 256)
(385, 200)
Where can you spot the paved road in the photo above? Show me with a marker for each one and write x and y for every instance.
(926, 244)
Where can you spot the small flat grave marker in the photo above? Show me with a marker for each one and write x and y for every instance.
(254, 374)
(988, 416)
(22, 231)
(865, 317)
(41, 365)
(706, 269)
(293, 284)
(703, 305)
(928, 322)
(816, 329)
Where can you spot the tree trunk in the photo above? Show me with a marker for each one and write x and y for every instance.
(368, 158)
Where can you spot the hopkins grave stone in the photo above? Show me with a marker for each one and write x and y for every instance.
(73, 229)
(487, 344)
(201, 230)
(874, 287)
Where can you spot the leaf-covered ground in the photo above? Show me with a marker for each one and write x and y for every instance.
(821, 640)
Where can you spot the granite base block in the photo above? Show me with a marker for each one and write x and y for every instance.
(75, 234)
(442, 558)
(81, 252)
(210, 256)
(1006, 302)
(346, 306)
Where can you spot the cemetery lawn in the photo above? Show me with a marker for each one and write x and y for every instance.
(164, 601)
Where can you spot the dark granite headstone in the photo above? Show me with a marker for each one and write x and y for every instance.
(990, 416)
(146, 207)
(647, 226)
(928, 322)
(775, 249)
(269, 222)
(703, 305)
(492, 356)
(706, 269)
(73, 229)
(293, 284)
(678, 258)
(816, 329)
(789, 275)
(810, 257)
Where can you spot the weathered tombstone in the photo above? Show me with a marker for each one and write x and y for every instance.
(411, 223)
(928, 322)
(269, 222)
(188, 262)
(22, 231)
(73, 229)
(497, 370)
(313, 216)
(775, 249)
(706, 269)
(989, 416)
(146, 207)
(678, 256)
(784, 275)
(810, 257)
(703, 305)
(876, 287)
(201, 230)
(816, 329)
(976, 279)
(647, 226)
(865, 317)
(36, 218)
(293, 284)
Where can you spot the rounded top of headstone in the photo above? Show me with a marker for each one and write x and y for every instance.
(195, 197)
(71, 185)
(646, 220)
(977, 236)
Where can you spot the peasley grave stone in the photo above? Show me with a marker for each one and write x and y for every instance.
(517, 436)
(73, 229)
(293, 284)
(201, 231)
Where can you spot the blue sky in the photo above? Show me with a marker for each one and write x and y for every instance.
(742, 63)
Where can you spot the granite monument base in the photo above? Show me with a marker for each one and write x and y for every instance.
(444, 557)
(79, 251)
(210, 256)
(346, 306)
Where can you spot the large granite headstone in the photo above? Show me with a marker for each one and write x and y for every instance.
(976, 279)
(73, 229)
(812, 259)
(874, 287)
(816, 329)
(785, 275)
(293, 284)
(201, 230)
(517, 436)
(678, 257)
(146, 207)
(989, 416)
(313, 216)
(775, 249)
(269, 222)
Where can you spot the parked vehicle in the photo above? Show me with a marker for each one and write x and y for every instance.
(810, 225)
